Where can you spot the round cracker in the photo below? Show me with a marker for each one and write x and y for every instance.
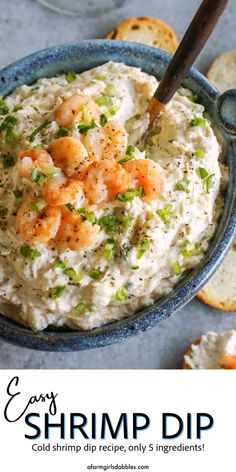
(146, 30)
(220, 291)
(222, 72)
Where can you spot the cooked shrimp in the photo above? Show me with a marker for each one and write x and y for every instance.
(37, 227)
(74, 233)
(40, 160)
(59, 191)
(75, 108)
(144, 172)
(108, 142)
(104, 180)
(71, 155)
(228, 361)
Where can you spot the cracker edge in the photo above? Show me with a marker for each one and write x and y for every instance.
(124, 25)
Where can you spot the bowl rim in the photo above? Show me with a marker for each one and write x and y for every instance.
(184, 291)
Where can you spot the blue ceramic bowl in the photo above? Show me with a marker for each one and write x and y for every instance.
(83, 56)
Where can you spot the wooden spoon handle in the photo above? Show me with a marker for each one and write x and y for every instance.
(191, 45)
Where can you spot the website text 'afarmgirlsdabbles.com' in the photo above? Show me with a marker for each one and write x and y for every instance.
(118, 467)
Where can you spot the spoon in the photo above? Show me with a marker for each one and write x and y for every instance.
(190, 47)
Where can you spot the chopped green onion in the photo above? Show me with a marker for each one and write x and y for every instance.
(9, 126)
(59, 264)
(87, 215)
(100, 77)
(127, 196)
(166, 213)
(135, 267)
(143, 247)
(175, 268)
(127, 220)
(141, 191)
(109, 224)
(197, 121)
(84, 127)
(207, 183)
(125, 159)
(82, 307)
(51, 173)
(10, 121)
(193, 98)
(18, 193)
(73, 275)
(38, 130)
(199, 154)
(202, 172)
(62, 132)
(121, 295)
(4, 110)
(109, 250)
(70, 207)
(37, 206)
(41, 180)
(110, 90)
(102, 101)
(130, 194)
(112, 110)
(70, 76)
(17, 108)
(130, 152)
(182, 185)
(95, 274)
(207, 179)
(8, 161)
(26, 251)
(190, 249)
(38, 177)
(58, 291)
(125, 250)
(12, 135)
(38, 147)
(86, 114)
(103, 120)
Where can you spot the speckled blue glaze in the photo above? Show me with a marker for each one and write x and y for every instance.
(83, 56)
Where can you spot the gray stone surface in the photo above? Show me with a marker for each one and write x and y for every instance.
(26, 26)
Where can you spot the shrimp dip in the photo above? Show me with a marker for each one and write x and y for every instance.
(92, 226)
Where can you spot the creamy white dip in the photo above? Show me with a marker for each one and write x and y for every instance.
(212, 346)
(183, 143)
